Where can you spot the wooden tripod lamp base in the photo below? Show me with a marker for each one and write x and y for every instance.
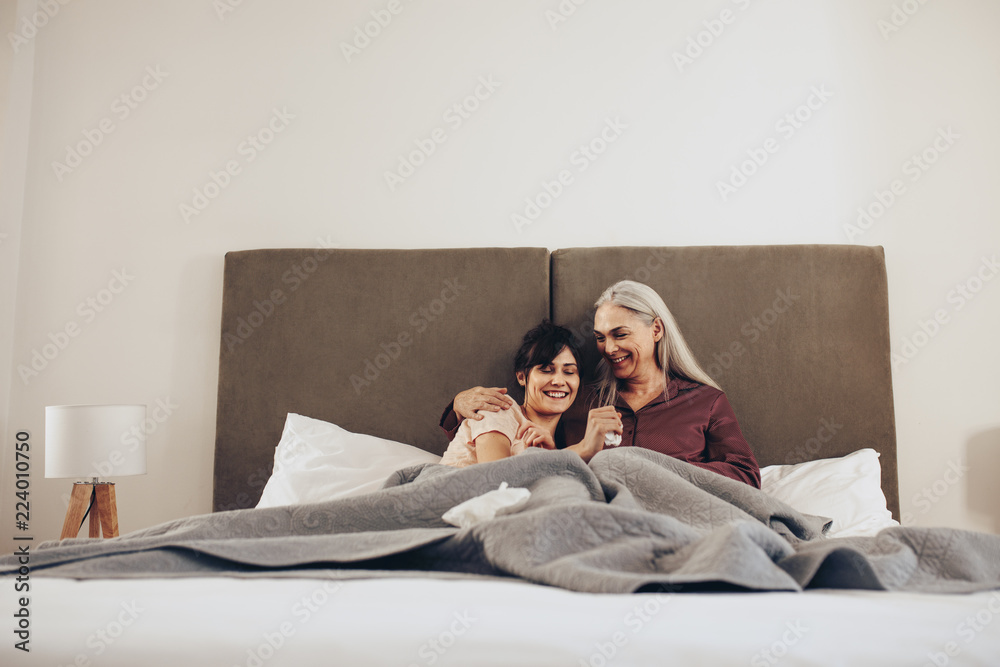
(103, 510)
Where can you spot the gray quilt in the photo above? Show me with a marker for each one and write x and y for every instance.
(632, 520)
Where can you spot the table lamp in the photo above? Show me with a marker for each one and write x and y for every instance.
(90, 441)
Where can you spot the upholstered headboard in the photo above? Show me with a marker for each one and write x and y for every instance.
(378, 341)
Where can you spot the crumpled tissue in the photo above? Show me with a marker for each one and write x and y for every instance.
(612, 439)
(485, 507)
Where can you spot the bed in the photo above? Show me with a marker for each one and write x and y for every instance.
(335, 366)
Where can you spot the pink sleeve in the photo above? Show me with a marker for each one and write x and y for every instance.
(503, 422)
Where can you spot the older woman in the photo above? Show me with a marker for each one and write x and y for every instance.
(648, 375)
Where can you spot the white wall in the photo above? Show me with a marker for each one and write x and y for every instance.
(884, 98)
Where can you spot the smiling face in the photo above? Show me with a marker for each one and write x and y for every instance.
(627, 343)
(549, 389)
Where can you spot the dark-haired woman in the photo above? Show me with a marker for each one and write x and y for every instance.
(547, 366)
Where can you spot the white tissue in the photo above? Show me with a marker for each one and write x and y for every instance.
(612, 439)
(483, 508)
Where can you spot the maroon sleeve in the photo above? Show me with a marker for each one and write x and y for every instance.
(726, 450)
(450, 421)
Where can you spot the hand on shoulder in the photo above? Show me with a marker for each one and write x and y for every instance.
(468, 403)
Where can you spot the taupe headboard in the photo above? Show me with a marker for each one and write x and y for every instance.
(378, 341)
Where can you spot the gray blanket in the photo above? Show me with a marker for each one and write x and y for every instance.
(632, 520)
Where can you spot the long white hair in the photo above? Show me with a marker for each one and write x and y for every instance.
(673, 356)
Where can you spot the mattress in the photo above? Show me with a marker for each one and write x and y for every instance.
(218, 621)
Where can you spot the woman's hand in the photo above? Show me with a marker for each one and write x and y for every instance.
(533, 435)
(468, 403)
(600, 421)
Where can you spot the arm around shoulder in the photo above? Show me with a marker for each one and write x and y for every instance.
(468, 404)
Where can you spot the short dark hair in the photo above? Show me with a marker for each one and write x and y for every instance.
(543, 344)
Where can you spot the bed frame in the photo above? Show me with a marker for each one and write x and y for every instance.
(379, 341)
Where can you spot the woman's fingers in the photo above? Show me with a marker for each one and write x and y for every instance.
(533, 435)
(538, 437)
(494, 398)
(523, 428)
(529, 437)
(470, 402)
(605, 419)
(600, 422)
(617, 423)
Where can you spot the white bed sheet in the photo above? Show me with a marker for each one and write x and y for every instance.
(222, 622)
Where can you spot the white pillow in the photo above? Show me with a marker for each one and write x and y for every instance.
(317, 461)
(847, 490)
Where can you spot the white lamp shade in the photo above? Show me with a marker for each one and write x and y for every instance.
(95, 440)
